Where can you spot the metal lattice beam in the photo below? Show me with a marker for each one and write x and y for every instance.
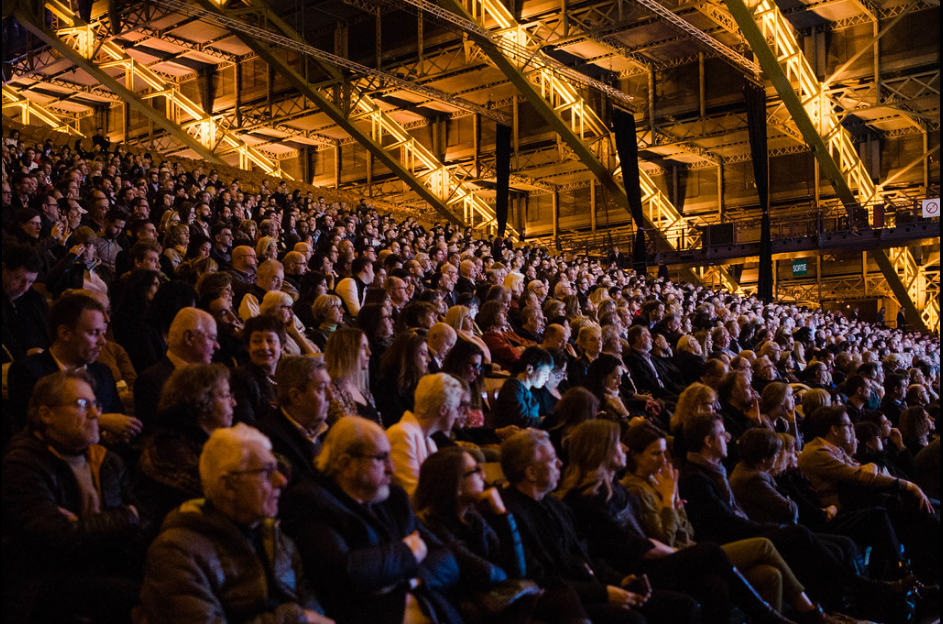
(349, 108)
(774, 42)
(14, 100)
(83, 44)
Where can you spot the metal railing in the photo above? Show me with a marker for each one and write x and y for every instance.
(804, 220)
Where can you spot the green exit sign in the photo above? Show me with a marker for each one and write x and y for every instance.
(800, 267)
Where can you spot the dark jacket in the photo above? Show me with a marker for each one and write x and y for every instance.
(713, 512)
(612, 527)
(147, 389)
(205, 568)
(689, 364)
(552, 547)
(288, 443)
(40, 544)
(390, 401)
(644, 376)
(24, 324)
(516, 405)
(759, 496)
(488, 550)
(356, 557)
(254, 393)
(169, 462)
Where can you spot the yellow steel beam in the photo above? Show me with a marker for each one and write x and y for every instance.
(352, 109)
(13, 100)
(773, 40)
(517, 52)
(86, 45)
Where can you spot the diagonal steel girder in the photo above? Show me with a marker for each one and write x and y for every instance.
(660, 212)
(33, 21)
(436, 185)
(762, 23)
(13, 98)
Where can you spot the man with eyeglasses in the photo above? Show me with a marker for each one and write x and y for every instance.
(48, 207)
(69, 526)
(192, 339)
(359, 539)
(224, 558)
(295, 269)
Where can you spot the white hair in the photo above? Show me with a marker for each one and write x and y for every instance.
(435, 391)
(227, 451)
(272, 300)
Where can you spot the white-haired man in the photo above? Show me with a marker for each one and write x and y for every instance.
(437, 400)
(358, 537)
(224, 558)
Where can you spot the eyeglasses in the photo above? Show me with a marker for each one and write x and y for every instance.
(82, 404)
(378, 457)
(268, 471)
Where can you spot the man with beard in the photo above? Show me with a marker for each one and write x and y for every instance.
(358, 537)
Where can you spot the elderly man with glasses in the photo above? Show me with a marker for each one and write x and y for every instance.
(359, 539)
(69, 529)
(224, 558)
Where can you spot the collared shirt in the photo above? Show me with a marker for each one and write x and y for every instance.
(307, 433)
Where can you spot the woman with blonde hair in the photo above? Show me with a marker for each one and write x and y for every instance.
(267, 249)
(572, 308)
(169, 218)
(279, 304)
(347, 356)
(695, 400)
(515, 282)
(248, 230)
(778, 408)
(461, 319)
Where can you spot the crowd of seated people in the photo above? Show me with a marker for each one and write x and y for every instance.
(235, 404)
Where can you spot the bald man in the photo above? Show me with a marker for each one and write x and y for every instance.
(440, 340)
(191, 340)
(295, 267)
(558, 337)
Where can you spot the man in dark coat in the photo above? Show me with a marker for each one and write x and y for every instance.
(297, 424)
(224, 558)
(358, 537)
(24, 308)
(70, 531)
(77, 326)
(639, 360)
